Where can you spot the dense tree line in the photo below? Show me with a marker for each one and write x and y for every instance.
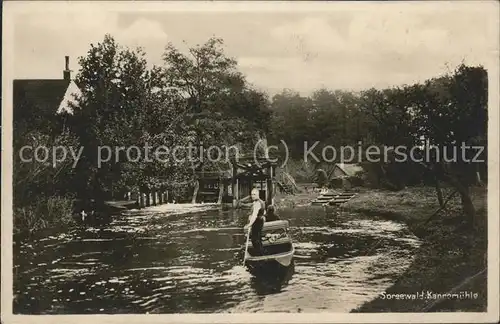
(196, 98)
(444, 113)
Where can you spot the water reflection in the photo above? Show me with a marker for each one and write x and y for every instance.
(158, 262)
(273, 281)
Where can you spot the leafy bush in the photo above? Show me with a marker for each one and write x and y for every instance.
(321, 178)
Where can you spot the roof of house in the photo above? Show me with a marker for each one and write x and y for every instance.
(69, 98)
(350, 169)
(40, 96)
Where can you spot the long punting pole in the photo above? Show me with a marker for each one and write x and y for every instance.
(246, 246)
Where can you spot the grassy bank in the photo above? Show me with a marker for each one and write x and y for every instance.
(56, 213)
(449, 257)
(41, 214)
(304, 197)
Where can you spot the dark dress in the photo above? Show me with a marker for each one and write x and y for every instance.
(271, 214)
(256, 231)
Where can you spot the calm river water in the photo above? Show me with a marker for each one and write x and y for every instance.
(162, 262)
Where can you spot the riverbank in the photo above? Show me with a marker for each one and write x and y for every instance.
(452, 257)
(300, 199)
(60, 214)
(178, 209)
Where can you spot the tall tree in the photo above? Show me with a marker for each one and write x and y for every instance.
(292, 120)
(111, 112)
(452, 114)
(222, 109)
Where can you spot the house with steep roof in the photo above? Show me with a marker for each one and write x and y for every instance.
(346, 169)
(37, 102)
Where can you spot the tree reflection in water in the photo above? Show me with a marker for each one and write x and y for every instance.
(272, 279)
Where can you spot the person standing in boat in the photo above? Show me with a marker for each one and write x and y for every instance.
(256, 221)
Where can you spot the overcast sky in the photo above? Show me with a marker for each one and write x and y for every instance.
(339, 47)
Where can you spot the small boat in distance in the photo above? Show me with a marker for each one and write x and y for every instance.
(278, 247)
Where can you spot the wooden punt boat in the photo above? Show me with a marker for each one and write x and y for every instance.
(278, 247)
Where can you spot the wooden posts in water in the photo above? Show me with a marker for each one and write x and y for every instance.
(152, 198)
(244, 177)
(140, 195)
(236, 191)
(221, 191)
(269, 186)
(195, 193)
(234, 184)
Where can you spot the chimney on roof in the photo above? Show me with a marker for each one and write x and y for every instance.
(67, 71)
